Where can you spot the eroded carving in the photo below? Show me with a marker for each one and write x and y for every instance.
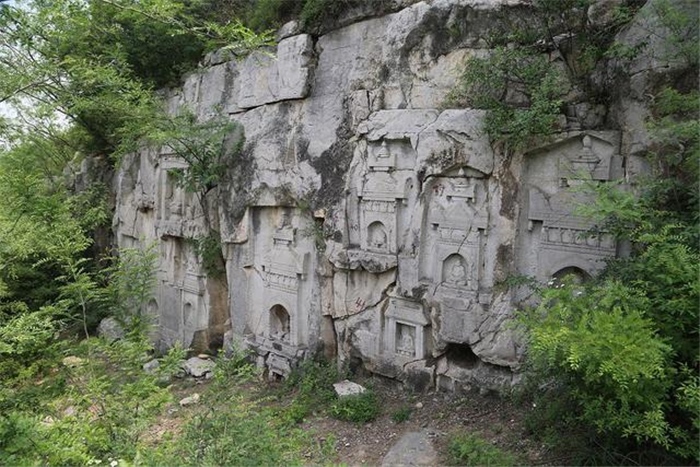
(561, 236)
(454, 226)
(406, 330)
(277, 293)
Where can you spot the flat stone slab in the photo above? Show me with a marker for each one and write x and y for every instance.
(348, 388)
(413, 448)
(191, 400)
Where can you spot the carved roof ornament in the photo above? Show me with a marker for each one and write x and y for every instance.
(382, 159)
(461, 188)
(284, 235)
(586, 160)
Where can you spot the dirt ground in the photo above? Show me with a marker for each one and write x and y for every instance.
(442, 414)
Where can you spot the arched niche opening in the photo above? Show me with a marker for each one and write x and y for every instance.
(279, 323)
(454, 270)
(376, 236)
(152, 309)
(573, 273)
(188, 313)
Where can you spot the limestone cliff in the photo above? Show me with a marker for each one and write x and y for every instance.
(364, 220)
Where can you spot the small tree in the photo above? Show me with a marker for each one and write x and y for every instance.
(131, 282)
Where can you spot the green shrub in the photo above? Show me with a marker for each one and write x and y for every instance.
(314, 380)
(401, 415)
(237, 425)
(471, 450)
(487, 81)
(26, 335)
(598, 341)
(236, 367)
(270, 14)
(359, 408)
(319, 14)
(298, 410)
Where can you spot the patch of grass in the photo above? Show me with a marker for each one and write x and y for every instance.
(297, 411)
(314, 381)
(401, 415)
(360, 408)
(237, 430)
(238, 423)
(470, 449)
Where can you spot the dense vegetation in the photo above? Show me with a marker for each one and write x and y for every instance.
(619, 354)
(615, 361)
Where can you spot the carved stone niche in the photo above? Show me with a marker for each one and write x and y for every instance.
(406, 331)
(585, 164)
(561, 237)
(171, 197)
(381, 197)
(284, 270)
(381, 159)
(181, 292)
(193, 280)
(171, 269)
(453, 227)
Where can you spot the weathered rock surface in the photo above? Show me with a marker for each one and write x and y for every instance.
(412, 449)
(348, 388)
(190, 400)
(198, 367)
(110, 329)
(151, 366)
(362, 217)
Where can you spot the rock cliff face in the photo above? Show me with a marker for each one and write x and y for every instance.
(362, 219)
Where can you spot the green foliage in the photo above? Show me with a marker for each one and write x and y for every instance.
(523, 92)
(317, 14)
(101, 412)
(620, 354)
(471, 450)
(209, 251)
(675, 158)
(358, 408)
(313, 383)
(620, 350)
(599, 343)
(235, 367)
(401, 415)
(314, 380)
(681, 38)
(95, 64)
(207, 147)
(27, 335)
(249, 435)
(131, 281)
(240, 425)
(170, 364)
(270, 14)
(522, 84)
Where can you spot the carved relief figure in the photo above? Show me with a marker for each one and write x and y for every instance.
(405, 343)
(279, 323)
(377, 236)
(454, 270)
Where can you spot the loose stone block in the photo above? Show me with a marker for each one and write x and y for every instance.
(348, 388)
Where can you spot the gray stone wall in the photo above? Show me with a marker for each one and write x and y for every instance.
(363, 219)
